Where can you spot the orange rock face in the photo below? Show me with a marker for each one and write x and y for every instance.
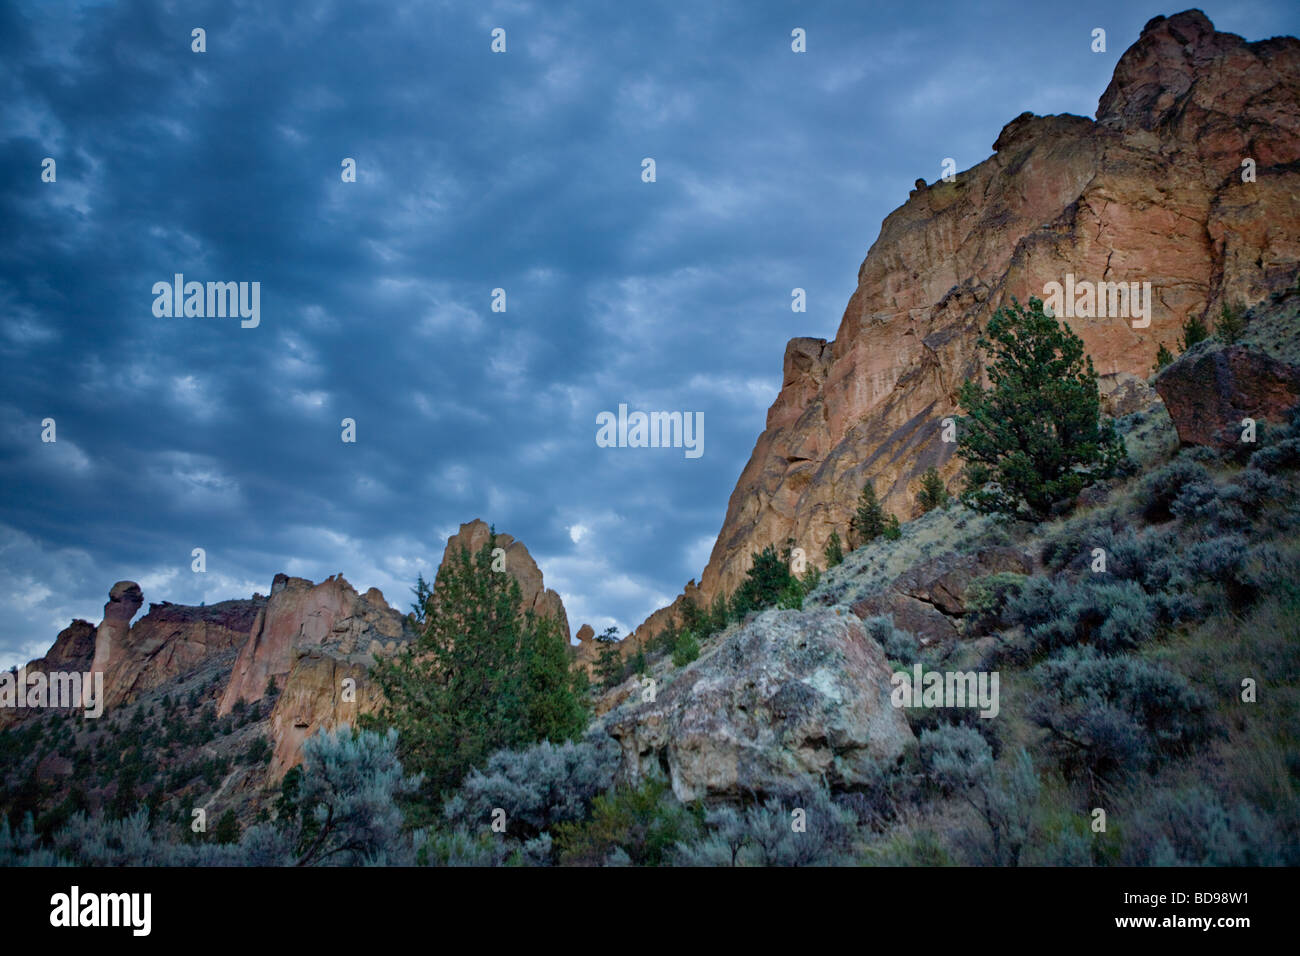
(516, 562)
(1150, 192)
(300, 617)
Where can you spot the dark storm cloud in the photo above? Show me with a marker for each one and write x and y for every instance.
(475, 171)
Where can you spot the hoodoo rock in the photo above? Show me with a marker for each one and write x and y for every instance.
(791, 699)
(518, 563)
(1154, 190)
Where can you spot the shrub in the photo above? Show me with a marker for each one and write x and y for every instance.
(1193, 827)
(537, 787)
(686, 649)
(346, 800)
(898, 645)
(826, 837)
(959, 761)
(1161, 487)
(986, 599)
(644, 822)
(1279, 456)
(1109, 714)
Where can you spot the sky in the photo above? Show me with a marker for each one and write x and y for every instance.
(476, 170)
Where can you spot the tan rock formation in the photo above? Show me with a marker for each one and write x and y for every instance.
(518, 563)
(1152, 191)
(300, 616)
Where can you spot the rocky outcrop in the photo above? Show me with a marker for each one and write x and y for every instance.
(73, 650)
(929, 600)
(518, 563)
(301, 617)
(124, 599)
(788, 700)
(1212, 389)
(1151, 191)
(174, 639)
(321, 690)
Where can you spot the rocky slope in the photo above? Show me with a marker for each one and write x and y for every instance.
(1151, 191)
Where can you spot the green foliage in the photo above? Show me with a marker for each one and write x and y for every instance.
(766, 578)
(891, 532)
(481, 675)
(1035, 438)
(868, 522)
(609, 663)
(934, 494)
(642, 822)
(227, 828)
(1194, 331)
(1230, 327)
(1164, 357)
(686, 649)
(834, 551)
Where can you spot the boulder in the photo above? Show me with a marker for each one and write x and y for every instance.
(790, 699)
(1211, 389)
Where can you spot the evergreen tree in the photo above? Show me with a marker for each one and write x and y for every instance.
(687, 649)
(1164, 357)
(609, 664)
(933, 492)
(1230, 327)
(1194, 331)
(1035, 438)
(481, 675)
(834, 551)
(766, 578)
(227, 829)
(868, 522)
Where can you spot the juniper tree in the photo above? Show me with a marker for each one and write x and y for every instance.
(933, 492)
(1035, 437)
(482, 675)
(1230, 327)
(1194, 331)
(834, 550)
(868, 522)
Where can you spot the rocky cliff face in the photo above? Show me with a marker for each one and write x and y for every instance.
(518, 563)
(1151, 191)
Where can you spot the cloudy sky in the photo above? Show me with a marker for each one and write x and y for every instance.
(476, 170)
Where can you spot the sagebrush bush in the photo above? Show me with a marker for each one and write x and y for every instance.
(1279, 456)
(808, 829)
(899, 645)
(1057, 612)
(537, 787)
(1160, 488)
(960, 763)
(1193, 827)
(1109, 715)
